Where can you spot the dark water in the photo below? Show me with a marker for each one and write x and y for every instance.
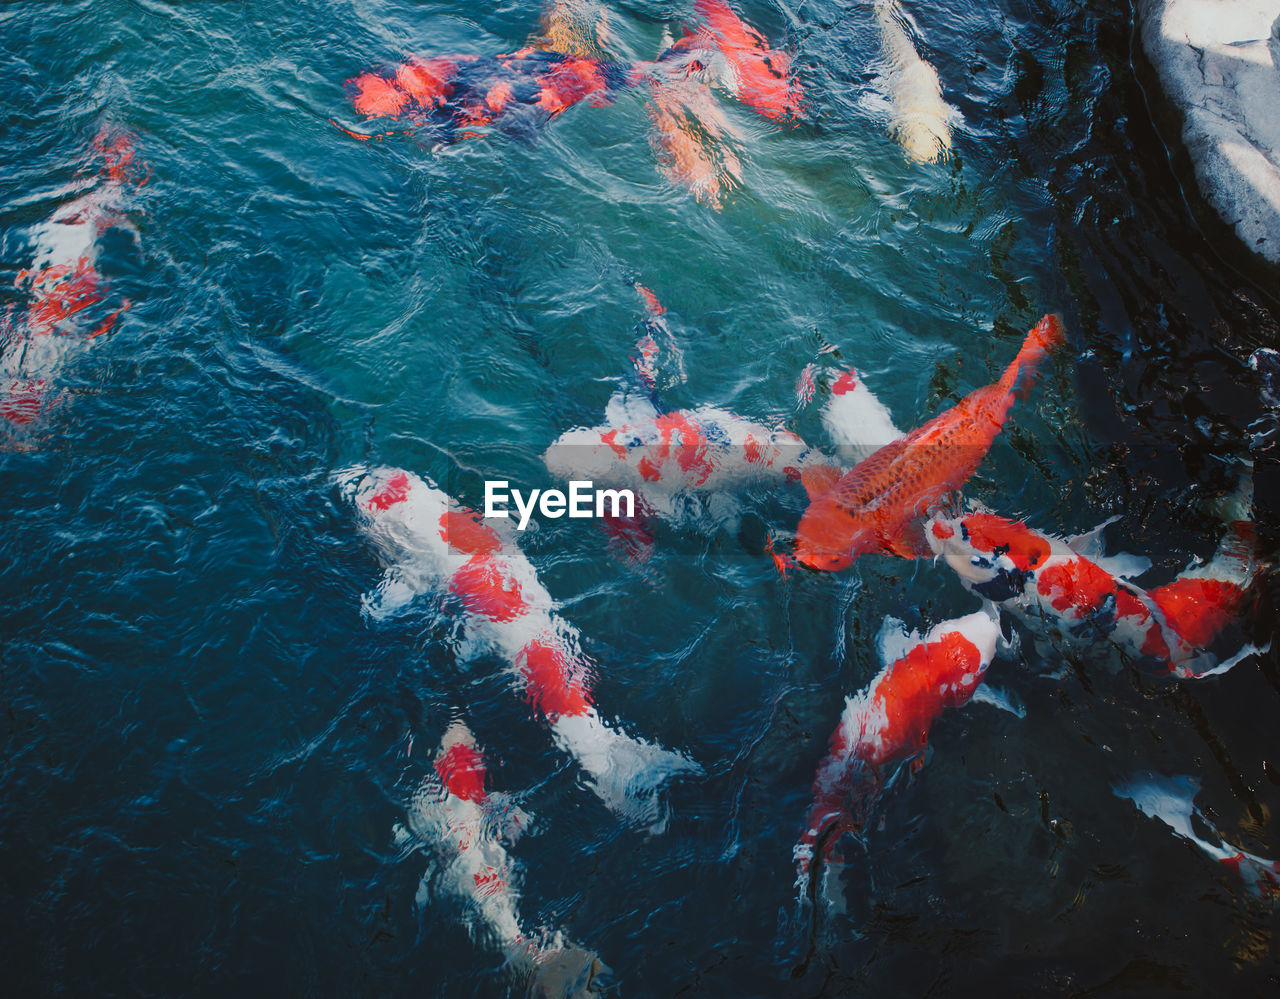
(205, 745)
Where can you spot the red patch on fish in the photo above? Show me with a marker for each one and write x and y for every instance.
(570, 81)
(464, 532)
(488, 590)
(991, 534)
(1198, 609)
(395, 491)
(942, 531)
(917, 689)
(651, 302)
(763, 74)
(845, 384)
(611, 438)
(1076, 584)
(549, 683)
(377, 97)
(426, 81)
(461, 770)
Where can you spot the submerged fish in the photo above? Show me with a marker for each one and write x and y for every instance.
(457, 96)
(1070, 588)
(876, 506)
(919, 119)
(888, 723)
(63, 284)
(761, 75)
(1171, 800)
(432, 544)
(459, 823)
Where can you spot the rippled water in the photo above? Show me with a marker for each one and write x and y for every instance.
(206, 745)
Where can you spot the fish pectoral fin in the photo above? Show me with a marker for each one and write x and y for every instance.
(909, 542)
(390, 597)
(819, 479)
(1000, 698)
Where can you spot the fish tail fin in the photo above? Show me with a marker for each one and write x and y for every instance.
(1046, 335)
(627, 773)
(566, 972)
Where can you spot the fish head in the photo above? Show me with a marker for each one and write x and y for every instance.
(829, 537)
(993, 556)
(401, 511)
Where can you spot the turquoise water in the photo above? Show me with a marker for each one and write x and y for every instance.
(207, 745)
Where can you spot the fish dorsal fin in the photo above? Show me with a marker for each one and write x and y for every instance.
(818, 480)
(1089, 545)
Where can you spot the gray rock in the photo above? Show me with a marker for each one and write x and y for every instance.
(1219, 63)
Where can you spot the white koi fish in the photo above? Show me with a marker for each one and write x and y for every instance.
(457, 821)
(433, 544)
(919, 119)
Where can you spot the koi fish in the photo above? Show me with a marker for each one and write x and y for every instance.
(857, 423)
(888, 723)
(667, 456)
(876, 506)
(659, 362)
(1069, 587)
(432, 543)
(64, 284)
(1171, 800)
(460, 823)
(688, 137)
(761, 76)
(453, 96)
(919, 119)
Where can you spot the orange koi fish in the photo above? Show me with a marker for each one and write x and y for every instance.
(876, 506)
(454, 818)
(889, 723)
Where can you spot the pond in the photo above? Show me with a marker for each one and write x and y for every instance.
(218, 718)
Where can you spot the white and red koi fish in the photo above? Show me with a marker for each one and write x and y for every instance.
(668, 456)
(877, 506)
(431, 543)
(64, 285)
(1171, 800)
(1070, 588)
(888, 723)
(461, 826)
